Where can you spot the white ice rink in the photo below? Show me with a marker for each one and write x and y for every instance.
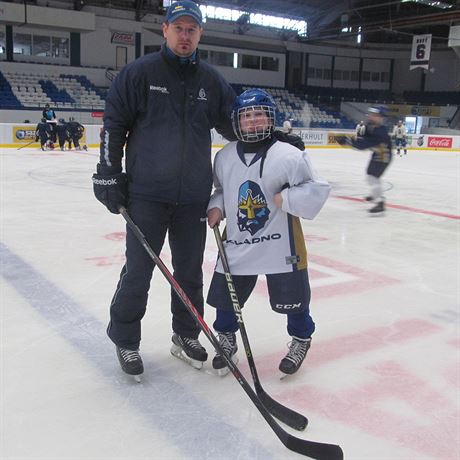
(382, 378)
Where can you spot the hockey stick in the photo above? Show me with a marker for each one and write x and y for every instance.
(316, 450)
(283, 413)
(26, 145)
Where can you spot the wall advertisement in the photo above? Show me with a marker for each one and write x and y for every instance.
(18, 135)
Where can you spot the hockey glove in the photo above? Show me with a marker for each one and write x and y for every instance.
(343, 140)
(111, 190)
(292, 139)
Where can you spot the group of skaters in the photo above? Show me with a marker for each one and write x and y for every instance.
(49, 131)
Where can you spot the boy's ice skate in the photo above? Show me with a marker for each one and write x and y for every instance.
(131, 362)
(379, 207)
(227, 341)
(298, 349)
(189, 350)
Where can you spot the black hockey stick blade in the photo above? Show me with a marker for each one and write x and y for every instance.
(316, 450)
(282, 413)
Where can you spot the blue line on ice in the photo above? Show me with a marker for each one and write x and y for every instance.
(209, 438)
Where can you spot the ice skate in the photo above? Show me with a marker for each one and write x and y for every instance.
(227, 341)
(189, 350)
(369, 198)
(131, 362)
(298, 349)
(379, 207)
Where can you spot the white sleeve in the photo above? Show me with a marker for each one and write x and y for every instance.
(307, 192)
(217, 197)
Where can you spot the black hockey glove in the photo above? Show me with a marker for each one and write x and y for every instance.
(343, 140)
(292, 139)
(111, 190)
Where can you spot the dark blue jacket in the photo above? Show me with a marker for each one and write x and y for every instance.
(377, 139)
(43, 131)
(164, 112)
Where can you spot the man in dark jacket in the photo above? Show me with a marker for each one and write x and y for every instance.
(163, 107)
(376, 139)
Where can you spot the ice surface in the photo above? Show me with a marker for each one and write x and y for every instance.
(382, 376)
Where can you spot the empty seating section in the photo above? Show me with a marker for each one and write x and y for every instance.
(302, 113)
(7, 97)
(20, 90)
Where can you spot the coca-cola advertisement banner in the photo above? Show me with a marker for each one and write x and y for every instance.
(123, 38)
(439, 142)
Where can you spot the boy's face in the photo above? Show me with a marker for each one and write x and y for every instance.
(254, 119)
(182, 36)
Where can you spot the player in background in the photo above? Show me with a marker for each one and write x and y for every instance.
(76, 131)
(360, 129)
(287, 127)
(399, 135)
(43, 133)
(262, 188)
(50, 116)
(376, 139)
(163, 107)
(62, 133)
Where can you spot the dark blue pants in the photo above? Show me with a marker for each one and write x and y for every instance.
(289, 290)
(186, 227)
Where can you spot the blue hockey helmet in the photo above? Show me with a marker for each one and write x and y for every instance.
(378, 110)
(245, 106)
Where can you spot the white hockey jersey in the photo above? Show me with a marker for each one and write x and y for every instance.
(260, 237)
(399, 132)
(360, 130)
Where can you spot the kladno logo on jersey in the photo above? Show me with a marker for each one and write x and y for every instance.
(253, 211)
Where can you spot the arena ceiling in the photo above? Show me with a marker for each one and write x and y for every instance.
(384, 21)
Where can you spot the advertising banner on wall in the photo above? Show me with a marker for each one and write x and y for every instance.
(400, 110)
(312, 137)
(23, 134)
(332, 137)
(18, 136)
(123, 38)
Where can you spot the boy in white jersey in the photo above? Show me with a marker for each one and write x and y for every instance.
(400, 136)
(262, 187)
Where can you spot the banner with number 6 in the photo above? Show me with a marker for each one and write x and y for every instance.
(421, 49)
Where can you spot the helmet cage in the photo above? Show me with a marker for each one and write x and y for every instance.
(258, 132)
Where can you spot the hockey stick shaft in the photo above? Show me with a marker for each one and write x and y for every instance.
(26, 145)
(283, 413)
(316, 450)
